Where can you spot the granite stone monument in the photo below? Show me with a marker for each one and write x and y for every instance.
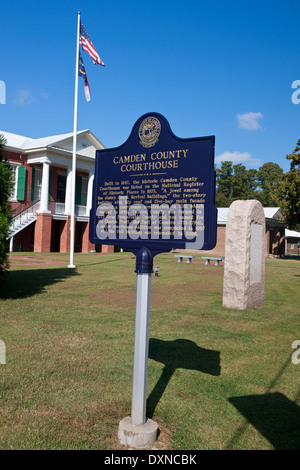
(244, 268)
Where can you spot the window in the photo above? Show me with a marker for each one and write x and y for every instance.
(81, 190)
(61, 188)
(84, 188)
(292, 245)
(37, 184)
(14, 170)
(19, 182)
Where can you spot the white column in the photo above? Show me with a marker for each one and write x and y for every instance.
(89, 193)
(68, 199)
(45, 188)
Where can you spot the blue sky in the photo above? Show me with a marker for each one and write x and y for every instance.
(211, 68)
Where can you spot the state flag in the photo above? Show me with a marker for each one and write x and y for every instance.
(82, 73)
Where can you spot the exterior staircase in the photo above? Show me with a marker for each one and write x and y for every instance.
(23, 219)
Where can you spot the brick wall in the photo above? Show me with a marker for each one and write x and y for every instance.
(87, 247)
(42, 234)
(295, 250)
(65, 235)
(23, 241)
(220, 245)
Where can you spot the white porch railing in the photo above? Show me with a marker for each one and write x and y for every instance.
(26, 216)
(59, 209)
(56, 207)
(80, 210)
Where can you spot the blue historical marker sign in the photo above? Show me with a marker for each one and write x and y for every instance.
(156, 191)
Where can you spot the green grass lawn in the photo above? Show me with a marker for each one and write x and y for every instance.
(217, 378)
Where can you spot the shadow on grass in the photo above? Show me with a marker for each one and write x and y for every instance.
(183, 354)
(26, 283)
(275, 416)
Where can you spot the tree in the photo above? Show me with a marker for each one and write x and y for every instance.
(269, 177)
(244, 182)
(234, 182)
(5, 212)
(224, 184)
(291, 190)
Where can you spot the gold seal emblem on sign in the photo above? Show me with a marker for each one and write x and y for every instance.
(149, 131)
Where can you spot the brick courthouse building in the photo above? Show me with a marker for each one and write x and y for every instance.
(41, 197)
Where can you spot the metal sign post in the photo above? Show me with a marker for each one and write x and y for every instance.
(141, 340)
(138, 431)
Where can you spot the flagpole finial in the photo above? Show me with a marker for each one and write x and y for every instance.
(79, 13)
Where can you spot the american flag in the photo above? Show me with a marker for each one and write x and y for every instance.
(87, 45)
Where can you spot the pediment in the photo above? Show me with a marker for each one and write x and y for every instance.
(87, 144)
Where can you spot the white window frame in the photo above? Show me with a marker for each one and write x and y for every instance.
(37, 189)
(13, 195)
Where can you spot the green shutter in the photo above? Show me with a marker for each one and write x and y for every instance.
(21, 183)
(78, 190)
(32, 183)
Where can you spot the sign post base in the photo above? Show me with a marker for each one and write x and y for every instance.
(139, 436)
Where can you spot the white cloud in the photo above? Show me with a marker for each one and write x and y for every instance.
(23, 98)
(238, 157)
(249, 121)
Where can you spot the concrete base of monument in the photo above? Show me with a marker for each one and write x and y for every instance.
(139, 436)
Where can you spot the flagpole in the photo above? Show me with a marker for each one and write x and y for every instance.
(72, 237)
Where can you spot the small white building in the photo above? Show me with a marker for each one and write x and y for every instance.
(292, 242)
